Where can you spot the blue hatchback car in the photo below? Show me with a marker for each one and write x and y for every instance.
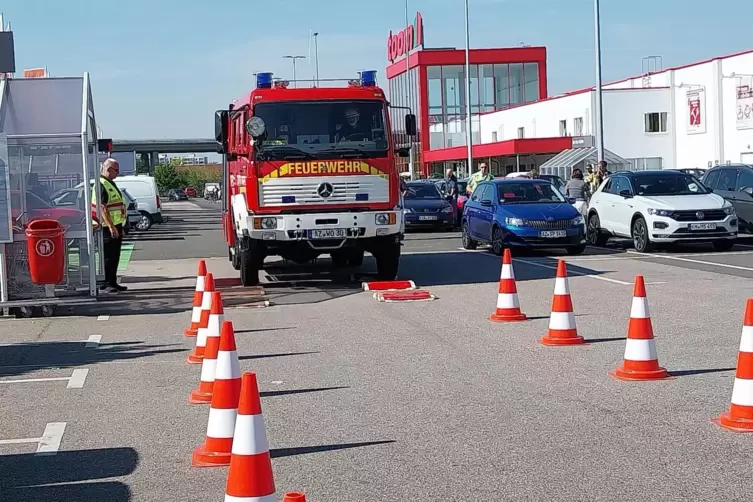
(520, 212)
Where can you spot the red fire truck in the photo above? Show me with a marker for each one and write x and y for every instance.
(312, 171)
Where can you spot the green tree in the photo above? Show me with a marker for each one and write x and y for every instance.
(141, 166)
(168, 177)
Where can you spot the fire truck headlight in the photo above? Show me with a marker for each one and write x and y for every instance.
(386, 218)
(265, 223)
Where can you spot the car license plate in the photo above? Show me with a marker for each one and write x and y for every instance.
(330, 233)
(553, 234)
(427, 218)
(703, 226)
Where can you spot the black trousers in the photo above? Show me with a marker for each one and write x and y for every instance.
(111, 252)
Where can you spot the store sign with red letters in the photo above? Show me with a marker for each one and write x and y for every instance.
(405, 41)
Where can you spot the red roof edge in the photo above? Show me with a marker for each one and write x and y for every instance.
(525, 146)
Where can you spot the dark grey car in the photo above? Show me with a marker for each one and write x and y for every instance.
(734, 182)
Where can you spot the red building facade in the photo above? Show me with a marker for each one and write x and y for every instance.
(432, 83)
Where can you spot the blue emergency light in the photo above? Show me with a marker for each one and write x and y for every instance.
(264, 80)
(368, 78)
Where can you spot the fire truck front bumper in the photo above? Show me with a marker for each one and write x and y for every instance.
(324, 226)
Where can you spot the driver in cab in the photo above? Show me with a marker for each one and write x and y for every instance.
(353, 129)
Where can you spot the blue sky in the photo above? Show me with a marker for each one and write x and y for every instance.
(160, 68)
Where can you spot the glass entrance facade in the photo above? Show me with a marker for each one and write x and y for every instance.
(435, 89)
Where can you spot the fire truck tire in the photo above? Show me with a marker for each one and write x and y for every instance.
(250, 265)
(388, 262)
(235, 256)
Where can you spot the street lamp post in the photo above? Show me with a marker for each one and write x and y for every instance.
(599, 101)
(469, 120)
(316, 56)
(293, 58)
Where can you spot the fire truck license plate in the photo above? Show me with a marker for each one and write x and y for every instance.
(330, 233)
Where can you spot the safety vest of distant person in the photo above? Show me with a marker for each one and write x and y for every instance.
(115, 205)
(476, 178)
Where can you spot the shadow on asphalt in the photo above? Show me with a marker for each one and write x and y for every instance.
(20, 358)
(64, 476)
(277, 393)
(269, 356)
(456, 268)
(305, 450)
(682, 373)
(132, 279)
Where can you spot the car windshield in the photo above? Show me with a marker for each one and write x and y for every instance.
(668, 184)
(528, 193)
(422, 191)
(322, 129)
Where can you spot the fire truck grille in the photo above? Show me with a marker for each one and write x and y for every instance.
(298, 191)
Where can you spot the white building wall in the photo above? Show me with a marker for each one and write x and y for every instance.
(539, 120)
(625, 124)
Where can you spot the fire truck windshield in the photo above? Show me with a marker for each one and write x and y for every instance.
(322, 129)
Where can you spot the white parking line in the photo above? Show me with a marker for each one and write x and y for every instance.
(48, 444)
(75, 381)
(590, 276)
(78, 378)
(93, 341)
(688, 260)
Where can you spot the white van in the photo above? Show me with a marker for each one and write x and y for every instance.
(144, 190)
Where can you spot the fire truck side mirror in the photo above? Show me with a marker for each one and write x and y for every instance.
(104, 145)
(220, 130)
(410, 124)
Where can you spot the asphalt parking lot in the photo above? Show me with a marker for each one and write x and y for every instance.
(387, 401)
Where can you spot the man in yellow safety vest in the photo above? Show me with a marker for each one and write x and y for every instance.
(113, 210)
(482, 174)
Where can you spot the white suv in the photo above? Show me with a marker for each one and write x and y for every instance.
(654, 207)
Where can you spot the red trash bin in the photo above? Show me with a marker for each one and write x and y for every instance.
(46, 248)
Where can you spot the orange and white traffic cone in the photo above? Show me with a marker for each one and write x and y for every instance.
(203, 394)
(198, 295)
(562, 330)
(508, 305)
(641, 361)
(294, 497)
(222, 412)
(212, 327)
(206, 311)
(739, 418)
(250, 475)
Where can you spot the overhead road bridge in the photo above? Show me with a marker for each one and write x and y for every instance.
(149, 149)
(165, 145)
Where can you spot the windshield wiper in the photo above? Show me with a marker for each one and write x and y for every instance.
(288, 151)
(346, 152)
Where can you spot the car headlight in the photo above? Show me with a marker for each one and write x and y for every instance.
(407, 210)
(447, 209)
(514, 222)
(658, 212)
(729, 209)
(578, 220)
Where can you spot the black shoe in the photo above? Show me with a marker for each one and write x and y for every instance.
(118, 287)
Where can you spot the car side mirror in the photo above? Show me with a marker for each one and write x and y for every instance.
(626, 194)
(487, 203)
(748, 190)
(403, 152)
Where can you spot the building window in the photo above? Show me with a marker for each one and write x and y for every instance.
(578, 126)
(494, 136)
(517, 80)
(501, 86)
(656, 122)
(563, 128)
(521, 132)
(486, 87)
(531, 73)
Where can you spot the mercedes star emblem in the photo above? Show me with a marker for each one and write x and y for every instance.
(699, 215)
(550, 218)
(325, 190)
